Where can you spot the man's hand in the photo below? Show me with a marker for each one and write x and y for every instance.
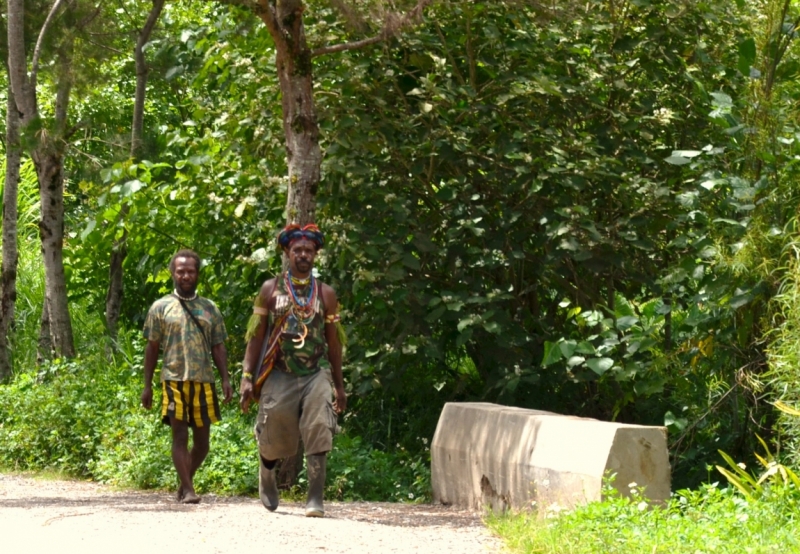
(147, 397)
(340, 404)
(245, 394)
(227, 391)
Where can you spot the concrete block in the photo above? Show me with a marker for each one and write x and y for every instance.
(489, 456)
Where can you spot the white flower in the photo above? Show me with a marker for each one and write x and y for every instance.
(663, 115)
(411, 495)
(741, 465)
(632, 485)
(642, 506)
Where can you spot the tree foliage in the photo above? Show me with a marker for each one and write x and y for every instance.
(580, 206)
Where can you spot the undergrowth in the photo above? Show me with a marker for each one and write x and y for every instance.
(706, 520)
(83, 417)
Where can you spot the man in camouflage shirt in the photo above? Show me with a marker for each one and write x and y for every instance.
(294, 353)
(191, 332)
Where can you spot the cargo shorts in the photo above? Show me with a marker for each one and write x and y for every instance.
(294, 406)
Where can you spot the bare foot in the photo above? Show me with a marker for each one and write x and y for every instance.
(180, 494)
(190, 497)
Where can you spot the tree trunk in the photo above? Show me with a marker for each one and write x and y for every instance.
(137, 127)
(17, 62)
(289, 468)
(120, 251)
(49, 161)
(10, 252)
(300, 125)
(49, 169)
(293, 61)
(48, 157)
(45, 351)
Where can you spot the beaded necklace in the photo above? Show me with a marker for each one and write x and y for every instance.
(301, 282)
(303, 309)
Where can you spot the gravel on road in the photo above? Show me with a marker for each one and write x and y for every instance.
(38, 515)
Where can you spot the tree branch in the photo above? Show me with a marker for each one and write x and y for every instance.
(152, 18)
(104, 46)
(37, 51)
(137, 126)
(348, 46)
(74, 129)
(17, 62)
(391, 27)
(266, 12)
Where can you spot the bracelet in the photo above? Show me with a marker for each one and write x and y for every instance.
(247, 375)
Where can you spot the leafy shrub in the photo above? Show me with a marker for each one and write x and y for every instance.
(136, 454)
(82, 417)
(709, 519)
(55, 418)
(360, 472)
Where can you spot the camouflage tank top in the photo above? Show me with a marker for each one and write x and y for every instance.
(306, 356)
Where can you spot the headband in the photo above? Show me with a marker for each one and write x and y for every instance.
(294, 232)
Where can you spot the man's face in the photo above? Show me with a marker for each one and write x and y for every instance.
(301, 257)
(184, 275)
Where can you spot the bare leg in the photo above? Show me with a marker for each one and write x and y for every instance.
(182, 460)
(200, 445)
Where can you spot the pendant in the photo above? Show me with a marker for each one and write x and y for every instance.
(301, 342)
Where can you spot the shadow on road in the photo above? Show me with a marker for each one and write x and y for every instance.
(381, 513)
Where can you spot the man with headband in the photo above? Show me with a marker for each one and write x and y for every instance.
(294, 351)
(191, 332)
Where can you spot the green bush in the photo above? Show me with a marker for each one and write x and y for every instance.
(709, 519)
(55, 418)
(360, 472)
(82, 417)
(136, 453)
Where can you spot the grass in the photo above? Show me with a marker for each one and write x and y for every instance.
(707, 520)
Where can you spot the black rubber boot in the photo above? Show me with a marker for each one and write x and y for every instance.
(315, 467)
(268, 485)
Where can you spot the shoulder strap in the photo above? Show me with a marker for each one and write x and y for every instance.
(200, 327)
(268, 333)
(321, 298)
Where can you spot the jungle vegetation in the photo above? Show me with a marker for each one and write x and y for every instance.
(582, 206)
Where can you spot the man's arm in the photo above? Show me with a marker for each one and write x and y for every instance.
(150, 360)
(220, 355)
(334, 348)
(253, 350)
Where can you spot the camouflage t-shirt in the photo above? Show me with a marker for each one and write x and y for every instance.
(185, 355)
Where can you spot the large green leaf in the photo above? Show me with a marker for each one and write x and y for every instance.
(552, 353)
(599, 365)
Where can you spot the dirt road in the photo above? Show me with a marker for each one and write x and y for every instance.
(66, 516)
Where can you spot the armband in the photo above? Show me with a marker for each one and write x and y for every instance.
(333, 318)
(247, 375)
(257, 310)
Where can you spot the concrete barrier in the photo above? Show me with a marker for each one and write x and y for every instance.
(490, 456)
